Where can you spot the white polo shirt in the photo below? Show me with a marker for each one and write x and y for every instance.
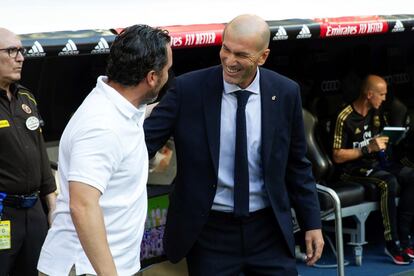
(103, 146)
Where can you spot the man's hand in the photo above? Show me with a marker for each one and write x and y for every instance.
(89, 223)
(51, 205)
(378, 143)
(149, 109)
(314, 246)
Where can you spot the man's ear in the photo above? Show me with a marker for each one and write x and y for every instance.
(263, 57)
(151, 78)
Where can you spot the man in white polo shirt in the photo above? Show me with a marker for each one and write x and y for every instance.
(103, 164)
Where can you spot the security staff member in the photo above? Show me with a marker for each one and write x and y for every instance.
(25, 173)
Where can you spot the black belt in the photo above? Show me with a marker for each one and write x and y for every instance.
(21, 201)
(229, 216)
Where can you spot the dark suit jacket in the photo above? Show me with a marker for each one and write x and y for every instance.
(190, 111)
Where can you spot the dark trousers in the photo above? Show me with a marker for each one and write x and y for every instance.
(28, 231)
(396, 227)
(406, 204)
(249, 246)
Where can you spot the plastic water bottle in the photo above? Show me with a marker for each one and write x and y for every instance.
(383, 159)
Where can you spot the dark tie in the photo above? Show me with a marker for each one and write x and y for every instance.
(241, 166)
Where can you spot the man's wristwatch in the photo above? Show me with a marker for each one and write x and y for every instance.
(365, 151)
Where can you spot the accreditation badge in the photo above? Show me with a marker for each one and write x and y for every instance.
(32, 123)
(4, 123)
(26, 108)
(5, 240)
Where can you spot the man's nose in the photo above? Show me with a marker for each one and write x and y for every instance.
(19, 56)
(231, 59)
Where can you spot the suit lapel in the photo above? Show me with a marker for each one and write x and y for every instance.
(270, 116)
(212, 95)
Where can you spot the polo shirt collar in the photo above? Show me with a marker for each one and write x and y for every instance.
(254, 87)
(123, 105)
(14, 87)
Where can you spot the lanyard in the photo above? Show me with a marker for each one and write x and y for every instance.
(2, 197)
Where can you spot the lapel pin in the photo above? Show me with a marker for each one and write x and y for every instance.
(273, 98)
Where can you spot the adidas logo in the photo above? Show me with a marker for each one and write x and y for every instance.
(398, 27)
(36, 50)
(304, 33)
(281, 34)
(69, 49)
(357, 130)
(102, 47)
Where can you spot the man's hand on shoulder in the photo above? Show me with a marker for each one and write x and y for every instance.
(149, 109)
(314, 246)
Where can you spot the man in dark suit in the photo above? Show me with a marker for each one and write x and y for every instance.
(240, 145)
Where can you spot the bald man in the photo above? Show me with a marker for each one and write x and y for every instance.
(359, 150)
(240, 144)
(25, 173)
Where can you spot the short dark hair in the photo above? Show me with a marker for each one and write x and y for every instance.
(136, 51)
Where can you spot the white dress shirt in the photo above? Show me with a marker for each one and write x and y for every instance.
(224, 199)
